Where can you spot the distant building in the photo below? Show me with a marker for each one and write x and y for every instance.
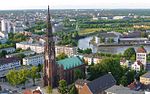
(17, 27)
(98, 86)
(34, 60)
(8, 50)
(118, 17)
(107, 36)
(4, 35)
(5, 26)
(9, 63)
(133, 40)
(26, 53)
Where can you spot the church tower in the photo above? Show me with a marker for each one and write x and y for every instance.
(49, 68)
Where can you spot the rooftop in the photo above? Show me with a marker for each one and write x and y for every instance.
(146, 75)
(122, 90)
(101, 83)
(35, 56)
(71, 62)
(8, 60)
(141, 50)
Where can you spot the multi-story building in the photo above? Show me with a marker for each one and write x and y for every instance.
(9, 63)
(70, 51)
(141, 56)
(26, 53)
(145, 79)
(39, 48)
(8, 50)
(34, 60)
(36, 47)
(92, 58)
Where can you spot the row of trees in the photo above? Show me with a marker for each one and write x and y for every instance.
(68, 38)
(18, 77)
(84, 51)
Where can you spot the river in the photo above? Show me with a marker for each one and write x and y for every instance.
(84, 43)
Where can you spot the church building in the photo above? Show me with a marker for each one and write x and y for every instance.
(53, 70)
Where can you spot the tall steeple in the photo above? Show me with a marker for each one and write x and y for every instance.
(50, 74)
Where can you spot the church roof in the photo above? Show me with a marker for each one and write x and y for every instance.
(71, 62)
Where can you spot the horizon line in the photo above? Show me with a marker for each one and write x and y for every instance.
(75, 9)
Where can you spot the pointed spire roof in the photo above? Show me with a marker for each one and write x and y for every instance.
(49, 27)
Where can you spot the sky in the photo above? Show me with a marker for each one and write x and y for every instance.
(74, 4)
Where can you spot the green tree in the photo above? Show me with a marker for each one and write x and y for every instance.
(23, 75)
(107, 65)
(129, 53)
(21, 56)
(12, 77)
(49, 89)
(110, 40)
(34, 74)
(63, 89)
(102, 40)
(124, 81)
(61, 56)
(73, 90)
(78, 74)
(3, 53)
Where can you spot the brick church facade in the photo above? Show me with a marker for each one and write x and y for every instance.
(56, 70)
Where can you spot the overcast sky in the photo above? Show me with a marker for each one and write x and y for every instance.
(73, 4)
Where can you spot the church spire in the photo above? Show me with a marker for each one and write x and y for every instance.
(49, 55)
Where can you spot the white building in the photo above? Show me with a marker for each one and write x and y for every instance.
(26, 53)
(141, 56)
(18, 27)
(9, 63)
(5, 25)
(137, 66)
(4, 35)
(125, 63)
(36, 47)
(34, 60)
(39, 48)
(70, 51)
(92, 58)
(8, 50)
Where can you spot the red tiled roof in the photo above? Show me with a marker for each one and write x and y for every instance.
(141, 50)
(37, 92)
(27, 92)
(132, 86)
